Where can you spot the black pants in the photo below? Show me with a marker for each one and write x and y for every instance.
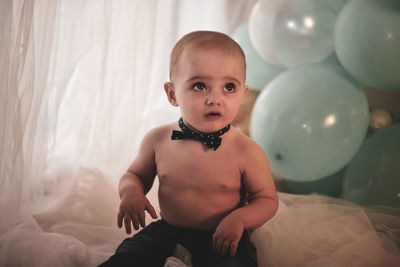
(154, 243)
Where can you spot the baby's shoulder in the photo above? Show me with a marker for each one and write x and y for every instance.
(160, 133)
(247, 146)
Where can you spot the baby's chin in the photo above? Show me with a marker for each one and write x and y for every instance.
(213, 128)
(210, 123)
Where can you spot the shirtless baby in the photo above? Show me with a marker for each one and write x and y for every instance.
(205, 167)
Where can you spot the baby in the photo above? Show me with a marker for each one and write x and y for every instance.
(207, 170)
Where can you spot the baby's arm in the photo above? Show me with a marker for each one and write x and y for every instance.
(262, 202)
(135, 184)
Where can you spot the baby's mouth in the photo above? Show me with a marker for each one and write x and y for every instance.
(213, 115)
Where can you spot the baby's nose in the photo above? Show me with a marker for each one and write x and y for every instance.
(213, 98)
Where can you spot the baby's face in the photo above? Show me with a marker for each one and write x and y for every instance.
(209, 87)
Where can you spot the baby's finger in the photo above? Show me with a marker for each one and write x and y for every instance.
(225, 247)
(142, 219)
(233, 248)
(135, 221)
(119, 218)
(151, 210)
(214, 241)
(218, 245)
(127, 222)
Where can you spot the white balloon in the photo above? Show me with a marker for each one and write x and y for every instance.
(292, 32)
(259, 72)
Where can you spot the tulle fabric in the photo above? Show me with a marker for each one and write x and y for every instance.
(79, 230)
(316, 231)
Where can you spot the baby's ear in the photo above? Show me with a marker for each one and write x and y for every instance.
(246, 89)
(170, 91)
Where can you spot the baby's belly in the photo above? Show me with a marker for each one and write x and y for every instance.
(197, 210)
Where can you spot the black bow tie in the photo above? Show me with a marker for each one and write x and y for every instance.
(211, 140)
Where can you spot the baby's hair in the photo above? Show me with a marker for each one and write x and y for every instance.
(205, 40)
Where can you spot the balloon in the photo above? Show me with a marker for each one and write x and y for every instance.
(292, 32)
(379, 118)
(310, 122)
(337, 4)
(367, 41)
(332, 62)
(331, 185)
(259, 72)
(373, 176)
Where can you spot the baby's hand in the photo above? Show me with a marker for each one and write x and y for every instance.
(227, 235)
(131, 209)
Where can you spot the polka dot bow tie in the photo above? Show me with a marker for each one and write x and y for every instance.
(211, 140)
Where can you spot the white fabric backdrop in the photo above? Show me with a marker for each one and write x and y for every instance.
(81, 83)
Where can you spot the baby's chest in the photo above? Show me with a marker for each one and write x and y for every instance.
(199, 170)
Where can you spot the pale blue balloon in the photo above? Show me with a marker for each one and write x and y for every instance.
(333, 60)
(333, 63)
(331, 185)
(337, 4)
(373, 176)
(259, 72)
(367, 42)
(292, 32)
(310, 122)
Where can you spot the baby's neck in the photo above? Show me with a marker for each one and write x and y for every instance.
(193, 129)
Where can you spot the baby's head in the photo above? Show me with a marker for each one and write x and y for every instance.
(207, 79)
(205, 40)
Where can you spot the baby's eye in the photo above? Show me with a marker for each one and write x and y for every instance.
(230, 87)
(199, 86)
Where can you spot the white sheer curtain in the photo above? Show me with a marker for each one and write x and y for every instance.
(81, 83)
(108, 63)
(26, 38)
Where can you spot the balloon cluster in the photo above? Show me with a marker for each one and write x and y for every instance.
(321, 67)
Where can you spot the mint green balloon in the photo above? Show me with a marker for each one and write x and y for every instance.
(331, 185)
(337, 4)
(367, 41)
(373, 176)
(292, 32)
(333, 63)
(259, 72)
(310, 122)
